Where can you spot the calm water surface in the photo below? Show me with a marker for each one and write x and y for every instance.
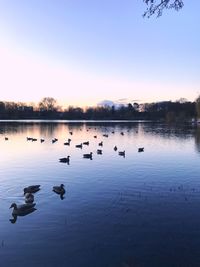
(139, 210)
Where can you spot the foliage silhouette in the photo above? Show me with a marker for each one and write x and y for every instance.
(155, 7)
(181, 110)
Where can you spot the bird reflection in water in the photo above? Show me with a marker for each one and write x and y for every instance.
(60, 190)
(21, 214)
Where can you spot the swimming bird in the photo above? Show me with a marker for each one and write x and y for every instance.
(88, 156)
(67, 144)
(33, 139)
(101, 143)
(71, 133)
(99, 151)
(86, 143)
(41, 140)
(21, 209)
(29, 198)
(105, 135)
(141, 149)
(115, 148)
(31, 189)
(59, 189)
(6, 138)
(122, 133)
(65, 160)
(95, 136)
(80, 146)
(121, 153)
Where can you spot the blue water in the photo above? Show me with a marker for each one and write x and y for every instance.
(138, 210)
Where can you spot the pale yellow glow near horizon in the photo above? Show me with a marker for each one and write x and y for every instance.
(26, 77)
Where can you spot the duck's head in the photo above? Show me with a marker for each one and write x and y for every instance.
(25, 190)
(62, 185)
(13, 205)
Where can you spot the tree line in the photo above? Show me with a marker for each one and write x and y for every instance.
(180, 110)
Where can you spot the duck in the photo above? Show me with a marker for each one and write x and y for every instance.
(105, 135)
(141, 149)
(41, 140)
(22, 209)
(31, 189)
(80, 146)
(65, 160)
(88, 156)
(101, 143)
(115, 148)
(59, 189)
(95, 136)
(67, 144)
(121, 153)
(29, 198)
(6, 138)
(71, 133)
(122, 133)
(33, 139)
(86, 143)
(99, 151)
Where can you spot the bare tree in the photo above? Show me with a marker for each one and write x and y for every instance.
(48, 104)
(156, 7)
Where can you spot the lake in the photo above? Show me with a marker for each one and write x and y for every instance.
(138, 210)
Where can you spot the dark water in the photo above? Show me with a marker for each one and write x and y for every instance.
(141, 210)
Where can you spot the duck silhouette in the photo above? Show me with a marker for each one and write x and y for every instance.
(121, 153)
(31, 189)
(60, 190)
(99, 151)
(65, 160)
(86, 143)
(88, 156)
(22, 209)
(101, 143)
(79, 146)
(67, 144)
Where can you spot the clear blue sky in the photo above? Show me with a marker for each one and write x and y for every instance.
(84, 51)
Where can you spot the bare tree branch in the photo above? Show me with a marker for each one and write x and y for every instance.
(155, 7)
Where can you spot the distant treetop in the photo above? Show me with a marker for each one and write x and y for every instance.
(156, 7)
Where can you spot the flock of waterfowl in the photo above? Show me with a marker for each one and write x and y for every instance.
(29, 205)
(86, 143)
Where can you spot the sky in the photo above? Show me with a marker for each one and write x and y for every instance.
(82, 52)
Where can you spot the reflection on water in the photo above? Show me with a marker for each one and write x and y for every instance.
(14, 219)
(122, 208)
